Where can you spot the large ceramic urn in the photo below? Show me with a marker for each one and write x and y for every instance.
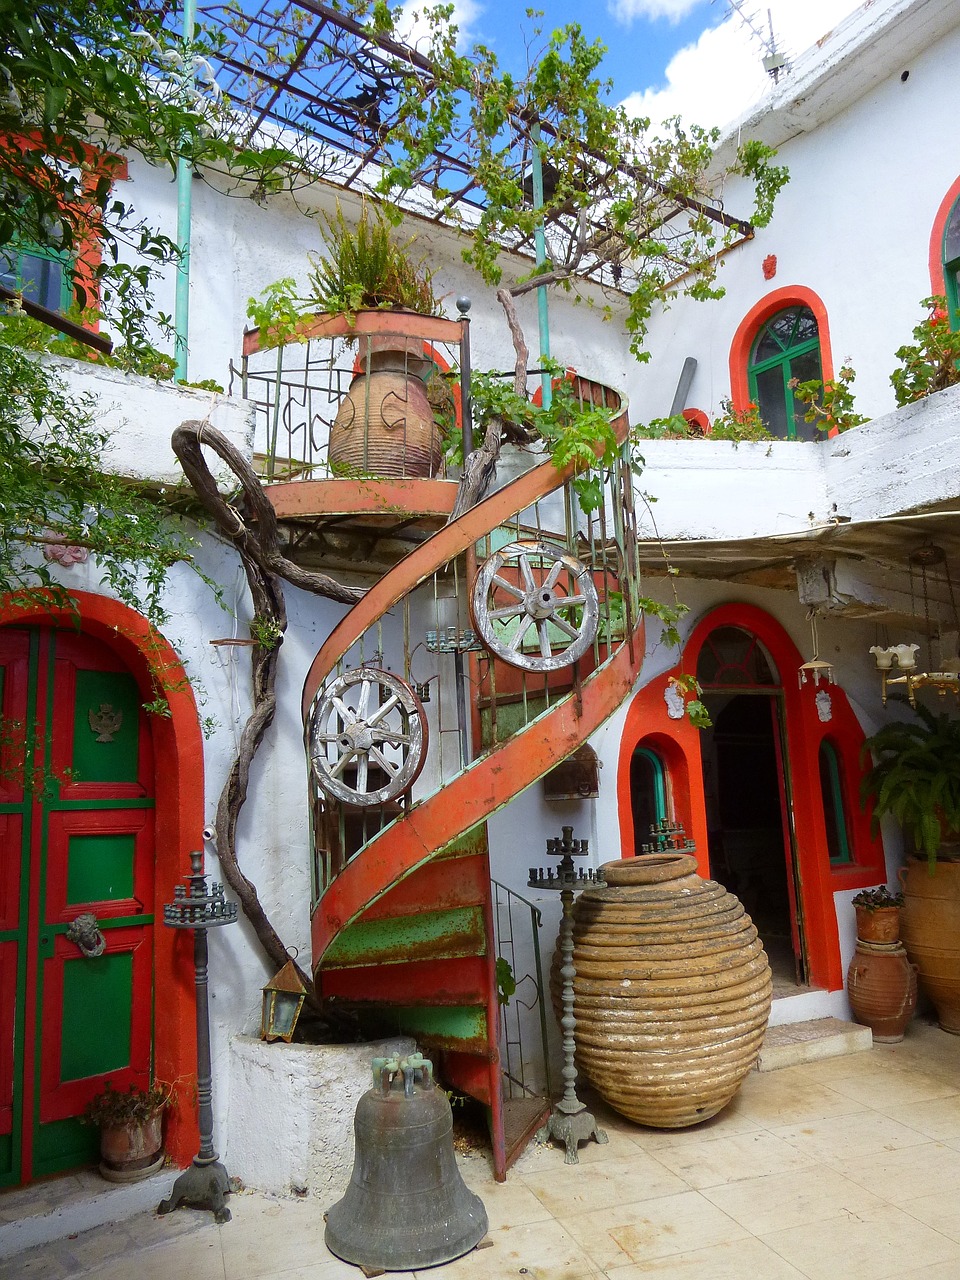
(385, 425)
(672, 990)
(930, 929)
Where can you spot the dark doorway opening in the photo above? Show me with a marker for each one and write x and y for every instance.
(746, 792)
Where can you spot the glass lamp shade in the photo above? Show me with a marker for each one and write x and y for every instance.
(282, 1001)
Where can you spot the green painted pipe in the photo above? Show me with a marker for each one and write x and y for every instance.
(540, 244)
(181, 310)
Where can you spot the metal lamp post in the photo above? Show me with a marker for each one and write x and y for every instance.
(570, 1122)
(205, 1183)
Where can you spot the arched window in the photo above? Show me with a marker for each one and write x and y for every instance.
(951, 263)
(648, 793)
(732, 659)
(786, 350)
(834, 809)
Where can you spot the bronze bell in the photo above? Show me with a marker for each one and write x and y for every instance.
(406, 1206)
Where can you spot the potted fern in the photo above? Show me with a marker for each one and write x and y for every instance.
(387, 423)
(916, 779)
(131, 1133)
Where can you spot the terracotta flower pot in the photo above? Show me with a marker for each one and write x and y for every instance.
(132, 1151)
(878, 924)
(672, 992)
(930, 930)
(882, 986)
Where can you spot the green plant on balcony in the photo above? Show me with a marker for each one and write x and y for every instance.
(932, 361)
(829, 403)
(366, 268)
(738, 425)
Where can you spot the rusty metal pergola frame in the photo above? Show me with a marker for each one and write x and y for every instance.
(305, 67)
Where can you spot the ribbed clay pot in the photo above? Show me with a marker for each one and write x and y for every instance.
(385, 424)
(882, 986)
(672, 992)
(930, 930)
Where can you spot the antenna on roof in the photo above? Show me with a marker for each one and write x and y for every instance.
(775, 60)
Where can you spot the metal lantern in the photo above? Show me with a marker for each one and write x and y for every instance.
(283, 998)
(576, 778)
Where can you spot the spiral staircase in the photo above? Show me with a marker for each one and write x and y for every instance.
(403, 933)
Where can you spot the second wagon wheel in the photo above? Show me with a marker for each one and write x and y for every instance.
(535, 606)
(368, 737)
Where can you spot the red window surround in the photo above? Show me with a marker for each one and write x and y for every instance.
(937, 283)
(88, 254)
(678, 744)
(749, 326)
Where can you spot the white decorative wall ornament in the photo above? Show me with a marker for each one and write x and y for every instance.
(824, 705)
(674, 700)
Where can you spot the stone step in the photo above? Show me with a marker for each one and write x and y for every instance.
(791, 1043)
(66, 1206)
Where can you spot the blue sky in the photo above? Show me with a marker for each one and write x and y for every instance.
(692, 57)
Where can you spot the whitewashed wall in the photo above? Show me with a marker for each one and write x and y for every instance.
(853, 225)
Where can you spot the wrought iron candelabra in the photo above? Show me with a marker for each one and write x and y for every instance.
(570, 1122)
(205, 1184)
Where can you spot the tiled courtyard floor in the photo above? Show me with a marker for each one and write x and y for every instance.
(842, 1169)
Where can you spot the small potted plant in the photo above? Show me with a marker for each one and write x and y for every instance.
(130, 1123)
(878, 914)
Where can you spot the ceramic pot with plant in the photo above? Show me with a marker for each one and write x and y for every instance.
(386, 424)
(131, 1134)
(916, 779)
(881, 981)
(878, 914)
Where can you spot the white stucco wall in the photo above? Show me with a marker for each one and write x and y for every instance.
(853, 225)
(291, 1113)
(141, 414)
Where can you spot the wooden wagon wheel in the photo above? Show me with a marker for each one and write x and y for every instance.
(531, 591)
(368, 736)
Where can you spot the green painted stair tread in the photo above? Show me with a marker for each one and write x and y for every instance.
(462, 1028)
(432, 935)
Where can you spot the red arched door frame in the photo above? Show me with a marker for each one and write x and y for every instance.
(178, 744)
(647, 718)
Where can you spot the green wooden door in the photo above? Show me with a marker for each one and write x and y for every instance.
(76, 836)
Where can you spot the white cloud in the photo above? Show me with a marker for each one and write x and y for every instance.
(721, 76)
(626, 10)
(413, 28)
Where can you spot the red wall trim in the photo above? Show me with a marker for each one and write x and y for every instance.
(647, 722)
(937, 282)
(178, 750)
(761, 311)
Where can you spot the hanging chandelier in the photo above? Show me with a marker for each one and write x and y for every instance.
(903, 657)
(817, 668)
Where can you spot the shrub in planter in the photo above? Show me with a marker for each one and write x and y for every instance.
(131, 1135)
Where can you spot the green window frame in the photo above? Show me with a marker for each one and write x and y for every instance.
(951, 263)
(834, 808)
(786, 348)
(41, 275)
(648, 793)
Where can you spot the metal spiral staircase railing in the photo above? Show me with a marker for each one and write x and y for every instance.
(411, 755)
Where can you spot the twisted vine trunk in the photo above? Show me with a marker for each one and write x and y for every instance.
(255, 534)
